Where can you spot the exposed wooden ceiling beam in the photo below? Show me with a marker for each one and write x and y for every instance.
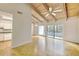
(66, 9)
(37, 18)
(39, 13)
(34, 21)
(47, 8)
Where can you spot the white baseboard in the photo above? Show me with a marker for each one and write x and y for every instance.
(21, 44)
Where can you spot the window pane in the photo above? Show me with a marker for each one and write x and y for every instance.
(5, 26)
(50, 30)
(59, 31)
(55, 31)
(41, 30)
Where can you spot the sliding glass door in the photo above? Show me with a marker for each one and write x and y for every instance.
(51, 31)
(55, 31)
(58, 31)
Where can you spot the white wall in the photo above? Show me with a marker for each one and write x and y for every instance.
(78, 30)
(21, 22)
(71, 29)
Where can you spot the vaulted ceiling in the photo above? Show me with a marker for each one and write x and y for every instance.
(40, 11)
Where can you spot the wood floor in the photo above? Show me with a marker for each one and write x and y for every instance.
(5, 48)
(41, 46)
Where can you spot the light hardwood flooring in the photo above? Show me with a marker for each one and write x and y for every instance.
(41, 46)
(5, 48)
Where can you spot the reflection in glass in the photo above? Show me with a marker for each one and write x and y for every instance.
(5, 26)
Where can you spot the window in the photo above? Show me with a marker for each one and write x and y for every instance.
(50, 30)
(41, 30)
(5, 26)
(58, 31)
(55, 31)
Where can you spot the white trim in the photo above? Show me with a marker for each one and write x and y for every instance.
(22, 44)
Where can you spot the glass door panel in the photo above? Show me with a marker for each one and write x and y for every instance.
(54, 45)
(51, 31)
(58, 31)
(55, 31)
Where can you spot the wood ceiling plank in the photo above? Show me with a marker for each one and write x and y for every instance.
(39, 13)
(36, 18)
(73, 9)
(34, 21)
(69, 10)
